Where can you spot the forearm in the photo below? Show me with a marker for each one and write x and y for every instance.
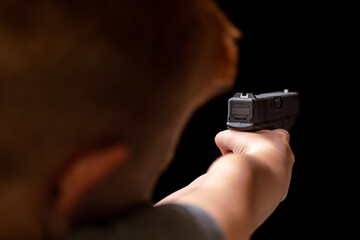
(258, 193)
(243, 187)
(238, 212)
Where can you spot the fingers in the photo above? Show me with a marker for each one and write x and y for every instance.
(277, 133)
(237, 141)
(285, 134)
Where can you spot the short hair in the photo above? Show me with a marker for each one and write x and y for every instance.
(73, 71)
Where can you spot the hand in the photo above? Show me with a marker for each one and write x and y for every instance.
(242, 188)
(269, 148)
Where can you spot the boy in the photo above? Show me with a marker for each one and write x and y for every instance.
(93, 99)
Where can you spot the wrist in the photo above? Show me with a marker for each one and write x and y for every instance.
(249, 192)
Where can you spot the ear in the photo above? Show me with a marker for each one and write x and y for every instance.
(82, 175)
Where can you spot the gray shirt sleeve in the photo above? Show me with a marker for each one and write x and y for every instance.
(170, 221)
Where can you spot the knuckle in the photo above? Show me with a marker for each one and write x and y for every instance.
(292, 158)
(284, 134)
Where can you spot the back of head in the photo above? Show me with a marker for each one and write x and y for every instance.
(74, 72)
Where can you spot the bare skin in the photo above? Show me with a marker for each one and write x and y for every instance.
(244, 186)
(67, 80)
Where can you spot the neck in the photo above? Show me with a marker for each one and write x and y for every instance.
(133, 183)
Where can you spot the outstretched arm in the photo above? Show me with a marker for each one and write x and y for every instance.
(244, 186)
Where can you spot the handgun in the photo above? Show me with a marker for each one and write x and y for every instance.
(253, 112)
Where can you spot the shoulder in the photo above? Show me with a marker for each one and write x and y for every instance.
(169, 221)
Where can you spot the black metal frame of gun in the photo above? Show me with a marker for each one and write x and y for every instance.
(250, 112)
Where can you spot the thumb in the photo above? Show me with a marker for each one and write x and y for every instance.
(229, 141)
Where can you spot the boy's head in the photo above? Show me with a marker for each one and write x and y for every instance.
(93, 98)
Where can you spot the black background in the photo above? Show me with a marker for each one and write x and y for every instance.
(301, 46)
